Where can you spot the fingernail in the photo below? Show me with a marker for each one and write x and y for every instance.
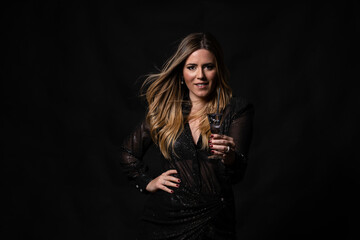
(179, 180)
(211, 145)
(177, 185)
(211, 135)
(209, 141)
(212, 151)
(172, 191)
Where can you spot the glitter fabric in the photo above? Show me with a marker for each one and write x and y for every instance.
(203, 206)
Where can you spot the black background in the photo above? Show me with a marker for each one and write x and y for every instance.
(71, 78)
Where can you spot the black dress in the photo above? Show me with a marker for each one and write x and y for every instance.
(203, 206)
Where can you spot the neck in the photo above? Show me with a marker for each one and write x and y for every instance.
(197, 105)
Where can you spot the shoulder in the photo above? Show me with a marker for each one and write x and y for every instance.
(239, 102)
(240, 106)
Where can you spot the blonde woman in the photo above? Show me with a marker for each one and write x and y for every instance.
(190, 195)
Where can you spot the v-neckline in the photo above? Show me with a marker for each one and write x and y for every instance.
(191, 135)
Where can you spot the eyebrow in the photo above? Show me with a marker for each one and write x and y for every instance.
(210, 63)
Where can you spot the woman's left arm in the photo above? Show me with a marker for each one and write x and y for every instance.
(234, 147)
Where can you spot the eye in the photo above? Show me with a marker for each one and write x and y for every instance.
(210, 67)
(191, 67)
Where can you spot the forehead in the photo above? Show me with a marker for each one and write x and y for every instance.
(201, 55)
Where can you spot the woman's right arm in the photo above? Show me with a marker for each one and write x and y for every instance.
(132, 151)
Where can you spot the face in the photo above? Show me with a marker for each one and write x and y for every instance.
(200, 74)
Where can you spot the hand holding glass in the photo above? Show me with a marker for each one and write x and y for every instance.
(215, 124)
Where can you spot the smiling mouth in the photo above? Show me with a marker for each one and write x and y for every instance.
(202, 84)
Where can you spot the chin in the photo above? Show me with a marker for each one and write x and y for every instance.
(203, 96)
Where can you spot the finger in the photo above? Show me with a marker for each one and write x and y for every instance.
(219, 142)
(216, 147)
(169, 172)
(164, 188)
(215, 152)
(172, 179)
(219, 148)
(216, 136)
(171, 184)
(220, 136)
(222, 142)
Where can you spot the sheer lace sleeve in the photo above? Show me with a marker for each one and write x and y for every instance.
(132, 152)
(240, 129)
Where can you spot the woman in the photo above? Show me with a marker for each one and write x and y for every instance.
(189, 194)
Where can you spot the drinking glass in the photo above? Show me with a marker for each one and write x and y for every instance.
(215, 120)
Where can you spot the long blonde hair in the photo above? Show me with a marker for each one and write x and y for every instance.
(165, 93)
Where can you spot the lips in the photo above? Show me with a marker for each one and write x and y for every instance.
(202, 84)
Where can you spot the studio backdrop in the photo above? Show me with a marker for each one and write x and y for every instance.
(71, 82)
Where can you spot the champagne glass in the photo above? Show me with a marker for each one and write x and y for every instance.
(215, 120)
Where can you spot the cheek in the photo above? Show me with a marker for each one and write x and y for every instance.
(187, 83)
(211, 76)
(188, 76)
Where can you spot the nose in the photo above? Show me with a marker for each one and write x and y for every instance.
(200, 74)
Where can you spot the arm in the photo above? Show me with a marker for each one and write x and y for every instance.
(241, 132)
(238, 139)
(132, 152)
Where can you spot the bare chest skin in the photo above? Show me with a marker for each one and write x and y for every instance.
(194, 127)
(197, 105)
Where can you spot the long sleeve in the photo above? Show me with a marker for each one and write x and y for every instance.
(132, 152)
(240, 129)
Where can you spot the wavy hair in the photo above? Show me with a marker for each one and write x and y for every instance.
(166, 95)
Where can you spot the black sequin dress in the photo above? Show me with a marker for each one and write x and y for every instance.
(203, 206)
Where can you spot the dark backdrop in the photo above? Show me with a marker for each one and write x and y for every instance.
(71, 77)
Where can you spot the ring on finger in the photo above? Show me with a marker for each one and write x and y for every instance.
(227, 149)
